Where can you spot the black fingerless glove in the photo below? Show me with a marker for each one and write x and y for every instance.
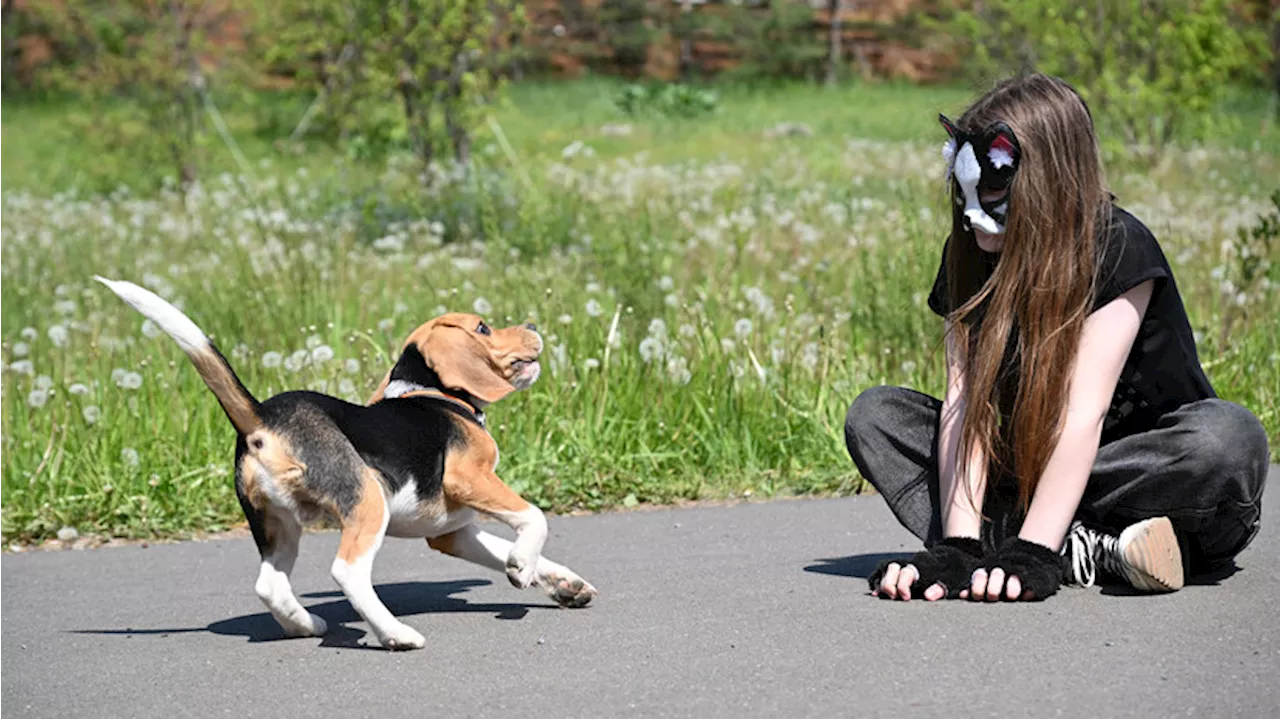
(950, 563)
(1037, 567)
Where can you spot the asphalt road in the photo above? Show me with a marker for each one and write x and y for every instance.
(752, 610)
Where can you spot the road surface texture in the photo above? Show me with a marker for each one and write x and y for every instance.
(749, 610)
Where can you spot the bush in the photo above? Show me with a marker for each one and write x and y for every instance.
(148, 68)
(666, 100)
(1152, 69)
(439, 64)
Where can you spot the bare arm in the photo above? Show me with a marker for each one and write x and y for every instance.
(1104, 345)
(961, 517)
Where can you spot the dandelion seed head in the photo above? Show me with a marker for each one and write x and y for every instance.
(91, 414)
(129, 456)
(58, 335)
(272, 359)
(37, 398)
(21, 349)
(322, 354)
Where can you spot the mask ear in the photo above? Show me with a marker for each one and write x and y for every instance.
(464, 365)
(947, 124)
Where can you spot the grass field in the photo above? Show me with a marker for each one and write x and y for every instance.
(712, 298)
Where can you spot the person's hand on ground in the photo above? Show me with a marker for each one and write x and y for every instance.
(943, 570)
(1018, 571)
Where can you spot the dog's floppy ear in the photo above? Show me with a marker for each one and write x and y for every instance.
(464, 365)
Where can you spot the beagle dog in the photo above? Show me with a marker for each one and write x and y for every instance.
(416, 462)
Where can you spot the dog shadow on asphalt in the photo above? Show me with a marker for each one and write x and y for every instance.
(402, 598)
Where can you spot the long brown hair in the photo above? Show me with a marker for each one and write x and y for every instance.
(1020, 329)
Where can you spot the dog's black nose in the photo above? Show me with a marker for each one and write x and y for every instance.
(530, 326)
(966, 223)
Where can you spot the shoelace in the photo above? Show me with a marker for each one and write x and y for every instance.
(1089, 548)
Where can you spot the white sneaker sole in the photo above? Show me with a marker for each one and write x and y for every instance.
(1152, 560)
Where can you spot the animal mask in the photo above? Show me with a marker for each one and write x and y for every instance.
(981, 162)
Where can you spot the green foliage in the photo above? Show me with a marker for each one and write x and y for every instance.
(625, 26)
(148, 69)
(665, 100)
(1253, 272)
(780, 41)
(1150, 68)
(437, 63)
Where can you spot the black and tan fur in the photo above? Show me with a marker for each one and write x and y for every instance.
(416, 462)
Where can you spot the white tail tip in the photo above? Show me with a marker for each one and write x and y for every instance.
(169, 318)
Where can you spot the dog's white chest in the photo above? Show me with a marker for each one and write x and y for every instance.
(409, 518)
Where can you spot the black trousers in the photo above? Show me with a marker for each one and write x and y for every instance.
(1203, 466)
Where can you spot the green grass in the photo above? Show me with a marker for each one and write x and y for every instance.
(823, 245)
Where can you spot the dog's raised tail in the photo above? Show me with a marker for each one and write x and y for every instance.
(241, 407)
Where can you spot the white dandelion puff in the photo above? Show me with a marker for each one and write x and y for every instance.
(482, 306)
(78, 389)
(294, 362)
(271, 360)
(314, 341)
(58, 335)
(37, 397)
(129, 456)
(666, 283)
(44, 381)
(322, 354)
(688, 331)
(21, 349)
(29, 334)
(592, 363)
(91, 414)
(351, 366)
(130, 380)
(678, 370)
(117, 375)
(651, 349)
(346, 386)
(386, 324)
(594, 309)
(657, 328)
(728, 345)
(742, 328)
(566, 319)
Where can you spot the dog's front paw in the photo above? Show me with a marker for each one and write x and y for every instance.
(520, 571)
(568, 590)
(313, 627)
(401, 638)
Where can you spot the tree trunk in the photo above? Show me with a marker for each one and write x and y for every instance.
(7, 37)
(686, 42)
(835, 37)
(1275, 56)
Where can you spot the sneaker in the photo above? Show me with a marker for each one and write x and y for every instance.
(1145, 555)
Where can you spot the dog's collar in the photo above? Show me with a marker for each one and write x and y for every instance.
(402, 389)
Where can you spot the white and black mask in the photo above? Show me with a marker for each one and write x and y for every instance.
(983, 162)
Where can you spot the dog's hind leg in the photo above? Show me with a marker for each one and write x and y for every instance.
(475, 545)
(273, 588)
(363, 528)
(276, 535)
